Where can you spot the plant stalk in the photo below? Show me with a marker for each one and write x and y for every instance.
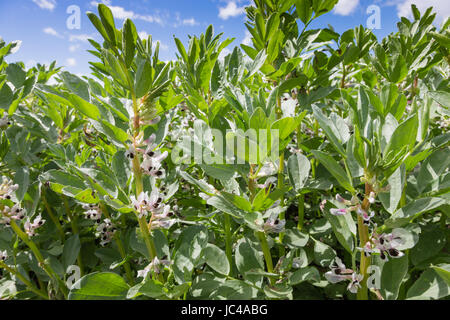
(363, 232)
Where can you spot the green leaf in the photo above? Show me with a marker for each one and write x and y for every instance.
(335, 169)
(16, 75)
(298, 170)
(304, 10)
(248, 257)
(443, 270)
(432, 168)
(75, 85)
(334, 133)
(396, 181)
(295, 238)
(343, 226)
(129, 37)
(304, 274)
(392, 275)
(22, 178)
(107, 19)
(257, 63)
(86, 108)
(100, 286)
(143, 80)
(429, 286)
(402, 140)
(98, 25)
(399, 70)
(324, 255)
(152, 288)
(219, 171)
(285, 126)
(216, 259)
(71, 249)
(258, 120)
(431, 241)
(278, 291)
(412, 211)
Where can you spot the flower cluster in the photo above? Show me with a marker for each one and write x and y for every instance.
(4, 122)
(339, 272)
(354, 205)
(152, 158)
(105, 231)
(7, 188)
(274, 225)
(3, 255)
(156, 266)
(92, 212)
(13, 212)
(161, 215)
(385, 245)
(30, 227)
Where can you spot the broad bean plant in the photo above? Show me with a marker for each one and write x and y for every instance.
(306, 164)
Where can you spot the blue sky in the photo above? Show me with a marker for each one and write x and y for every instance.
(41, 24)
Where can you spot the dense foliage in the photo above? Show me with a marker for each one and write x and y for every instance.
(120, 180)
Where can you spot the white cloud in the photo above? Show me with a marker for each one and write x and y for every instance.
(46, 4)
(441, 7)
(231, 10)
(71, 62)
(122, 14)
(190, 22)
(74, 47)
(346, 7)
(79, 37)
(52, 32)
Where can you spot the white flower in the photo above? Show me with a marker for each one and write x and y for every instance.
(269, 181)
(338, 212)
(366, 217)
(30, 227)
(131, 152)
(354, 284)
(7, 188)
(105, 231)
(141, 204)
(3, 255)
(274, 224)
(371, 197)
(154, 266)
(4, 122)
(6, 221)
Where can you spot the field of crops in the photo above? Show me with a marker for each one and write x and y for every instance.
(306, 164)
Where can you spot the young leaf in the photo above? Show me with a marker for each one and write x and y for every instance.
(216, 259)
(335, 169)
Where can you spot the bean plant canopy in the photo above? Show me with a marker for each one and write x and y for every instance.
(306, 164)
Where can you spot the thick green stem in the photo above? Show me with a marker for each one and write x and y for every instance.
(53, 217)
(363, 232)
(267, 255)
(30, 286)
(301, 211)
(228, 241)
(138, 178)
(74, 225)
(52, 274)
(121, 248)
